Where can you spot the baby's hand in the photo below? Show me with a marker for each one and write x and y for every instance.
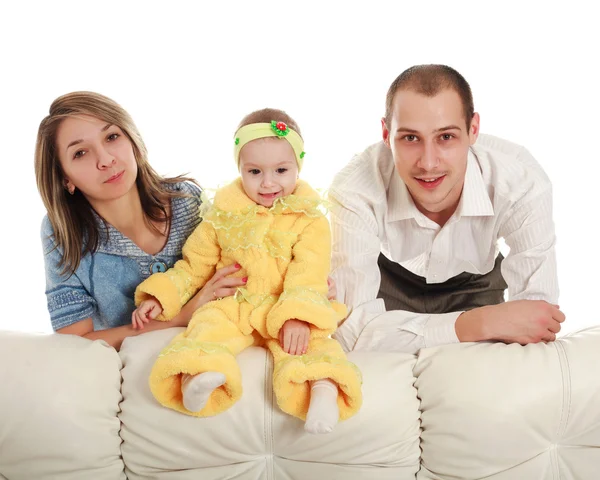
(293, 337)
(148, 310)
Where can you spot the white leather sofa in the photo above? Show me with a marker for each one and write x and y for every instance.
(71, 409)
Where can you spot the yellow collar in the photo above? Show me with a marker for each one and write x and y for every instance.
(233, 198)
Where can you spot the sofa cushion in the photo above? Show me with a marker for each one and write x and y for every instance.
(59, 402)
(505, 412)
(254, 439)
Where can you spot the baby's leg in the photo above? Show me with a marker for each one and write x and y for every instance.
(323, 412)
(321, 387)
(197, 388)
(198, 373)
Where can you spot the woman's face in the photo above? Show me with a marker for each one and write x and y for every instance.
(96, 157)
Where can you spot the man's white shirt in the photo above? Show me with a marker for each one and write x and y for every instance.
(506, 195)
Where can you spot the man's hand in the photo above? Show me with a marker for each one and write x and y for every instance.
(331, 289)
(293, 337)
(519, 321)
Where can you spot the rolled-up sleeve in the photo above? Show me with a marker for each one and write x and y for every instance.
(68, 300)
(530, 267)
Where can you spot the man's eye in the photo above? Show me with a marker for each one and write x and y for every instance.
(410, 138)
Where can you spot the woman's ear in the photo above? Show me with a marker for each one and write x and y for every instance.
(69, 186)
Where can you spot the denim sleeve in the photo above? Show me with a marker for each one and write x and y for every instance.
(68, 299)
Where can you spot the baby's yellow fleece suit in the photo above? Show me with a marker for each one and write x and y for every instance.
(284, 251)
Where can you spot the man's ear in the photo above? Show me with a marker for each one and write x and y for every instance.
(385, 133)
(474, 128)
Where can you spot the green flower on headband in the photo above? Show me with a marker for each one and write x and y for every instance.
(237, 141)
(280, 128)
(302, 155)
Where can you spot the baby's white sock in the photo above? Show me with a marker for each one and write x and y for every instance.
(197, 388)
(323, 412)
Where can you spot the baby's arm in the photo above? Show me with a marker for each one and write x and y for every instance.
(304, 298)
(177, 285)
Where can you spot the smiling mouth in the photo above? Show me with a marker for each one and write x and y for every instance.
(431, 182)
(269, 195)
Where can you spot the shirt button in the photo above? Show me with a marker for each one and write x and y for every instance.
(158, 266)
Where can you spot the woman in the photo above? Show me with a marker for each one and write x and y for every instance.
(111, 220)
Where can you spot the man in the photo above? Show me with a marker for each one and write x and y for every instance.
(416, 221)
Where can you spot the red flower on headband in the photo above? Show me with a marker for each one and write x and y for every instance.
(280, 128)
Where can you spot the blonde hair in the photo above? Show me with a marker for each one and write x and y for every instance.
(72, 217)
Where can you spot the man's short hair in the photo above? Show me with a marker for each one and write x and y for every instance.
(429, 80)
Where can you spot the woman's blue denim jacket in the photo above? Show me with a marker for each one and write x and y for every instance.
(103, 285)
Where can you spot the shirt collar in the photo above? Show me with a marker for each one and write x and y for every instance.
(474, 201)
(400, 203)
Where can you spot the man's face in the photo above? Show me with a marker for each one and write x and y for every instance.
(429, 140)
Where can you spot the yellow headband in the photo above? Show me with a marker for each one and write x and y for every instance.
(274, 129)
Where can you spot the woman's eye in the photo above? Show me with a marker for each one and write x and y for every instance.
(78, 154)
(112, 137)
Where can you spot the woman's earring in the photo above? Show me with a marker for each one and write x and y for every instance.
(70, 188)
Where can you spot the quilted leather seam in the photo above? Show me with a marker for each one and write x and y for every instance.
(268, 426)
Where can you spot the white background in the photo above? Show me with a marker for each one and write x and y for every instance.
(188, 73)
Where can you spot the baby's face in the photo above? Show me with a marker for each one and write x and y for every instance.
(269, 169)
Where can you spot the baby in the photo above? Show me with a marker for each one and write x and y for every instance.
(269, 224)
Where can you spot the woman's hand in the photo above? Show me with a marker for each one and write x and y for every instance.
(220, 285)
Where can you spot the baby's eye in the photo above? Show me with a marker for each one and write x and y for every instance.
(282, 170)
(254, 171)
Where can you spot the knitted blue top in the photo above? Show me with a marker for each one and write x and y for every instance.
(103, 285)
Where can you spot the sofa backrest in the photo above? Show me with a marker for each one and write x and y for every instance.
(470, 411)
(59, 401)
(255, 440)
